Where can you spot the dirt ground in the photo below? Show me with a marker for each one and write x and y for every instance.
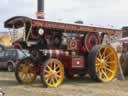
(74, 87)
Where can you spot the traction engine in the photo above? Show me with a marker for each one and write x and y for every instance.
(60, 50)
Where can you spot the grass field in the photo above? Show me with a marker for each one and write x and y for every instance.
(74, 87)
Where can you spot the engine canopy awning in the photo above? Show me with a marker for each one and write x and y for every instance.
(19, 21)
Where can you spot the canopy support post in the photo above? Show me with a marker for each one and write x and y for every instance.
(29, 32)
(24, 32)
(13, 37)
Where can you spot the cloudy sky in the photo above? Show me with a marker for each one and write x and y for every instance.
(97, 12)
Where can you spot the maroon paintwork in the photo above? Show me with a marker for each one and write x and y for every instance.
(73, 56)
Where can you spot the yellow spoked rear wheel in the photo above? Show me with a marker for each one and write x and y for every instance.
(52, 73)
(104, 66)
(25, 71)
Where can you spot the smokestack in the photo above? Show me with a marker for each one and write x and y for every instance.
(40, 9)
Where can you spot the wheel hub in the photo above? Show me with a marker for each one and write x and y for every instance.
(52, 74)
(25, 69)
(102, 61)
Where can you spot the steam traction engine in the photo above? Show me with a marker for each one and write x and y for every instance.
(61, 50)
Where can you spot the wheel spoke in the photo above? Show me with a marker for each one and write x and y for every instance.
(104, 52)
(51, 81)
(98, 59)
(50, 65)
(54, 66)
(21, 67)
(108, 55)
(98, 64)
(105, 74)
(110, 62)
(107, 65)
(49, 68)
(46, 75)
(98, 67)
(47, 79)
(98, 70)
(58, 72)
(54, 81)
(57, 67)
(28, 77)
(100, 74)
(100, 55)
(108, 69)
(56, 78)
(23, 76)
(31, 74)
(32, 70)
(46, 71)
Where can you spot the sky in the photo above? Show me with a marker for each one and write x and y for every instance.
(96, 12)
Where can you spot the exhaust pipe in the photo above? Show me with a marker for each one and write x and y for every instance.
(40, 9)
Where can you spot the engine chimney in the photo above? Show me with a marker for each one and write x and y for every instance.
(40, 9)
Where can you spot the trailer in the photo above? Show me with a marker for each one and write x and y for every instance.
(60, 50)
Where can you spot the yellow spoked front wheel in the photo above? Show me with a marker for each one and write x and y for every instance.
(52, 73)
(25, 71)
(103, 63)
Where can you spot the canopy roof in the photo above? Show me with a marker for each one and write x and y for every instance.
(124, 39)
(19, 21)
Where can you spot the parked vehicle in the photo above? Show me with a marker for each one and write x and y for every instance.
(9, 57)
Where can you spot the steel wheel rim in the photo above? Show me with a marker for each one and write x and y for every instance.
(53, 73)
(106, 64)
(27, 72)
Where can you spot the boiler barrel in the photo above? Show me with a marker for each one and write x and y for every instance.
(56, 53)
